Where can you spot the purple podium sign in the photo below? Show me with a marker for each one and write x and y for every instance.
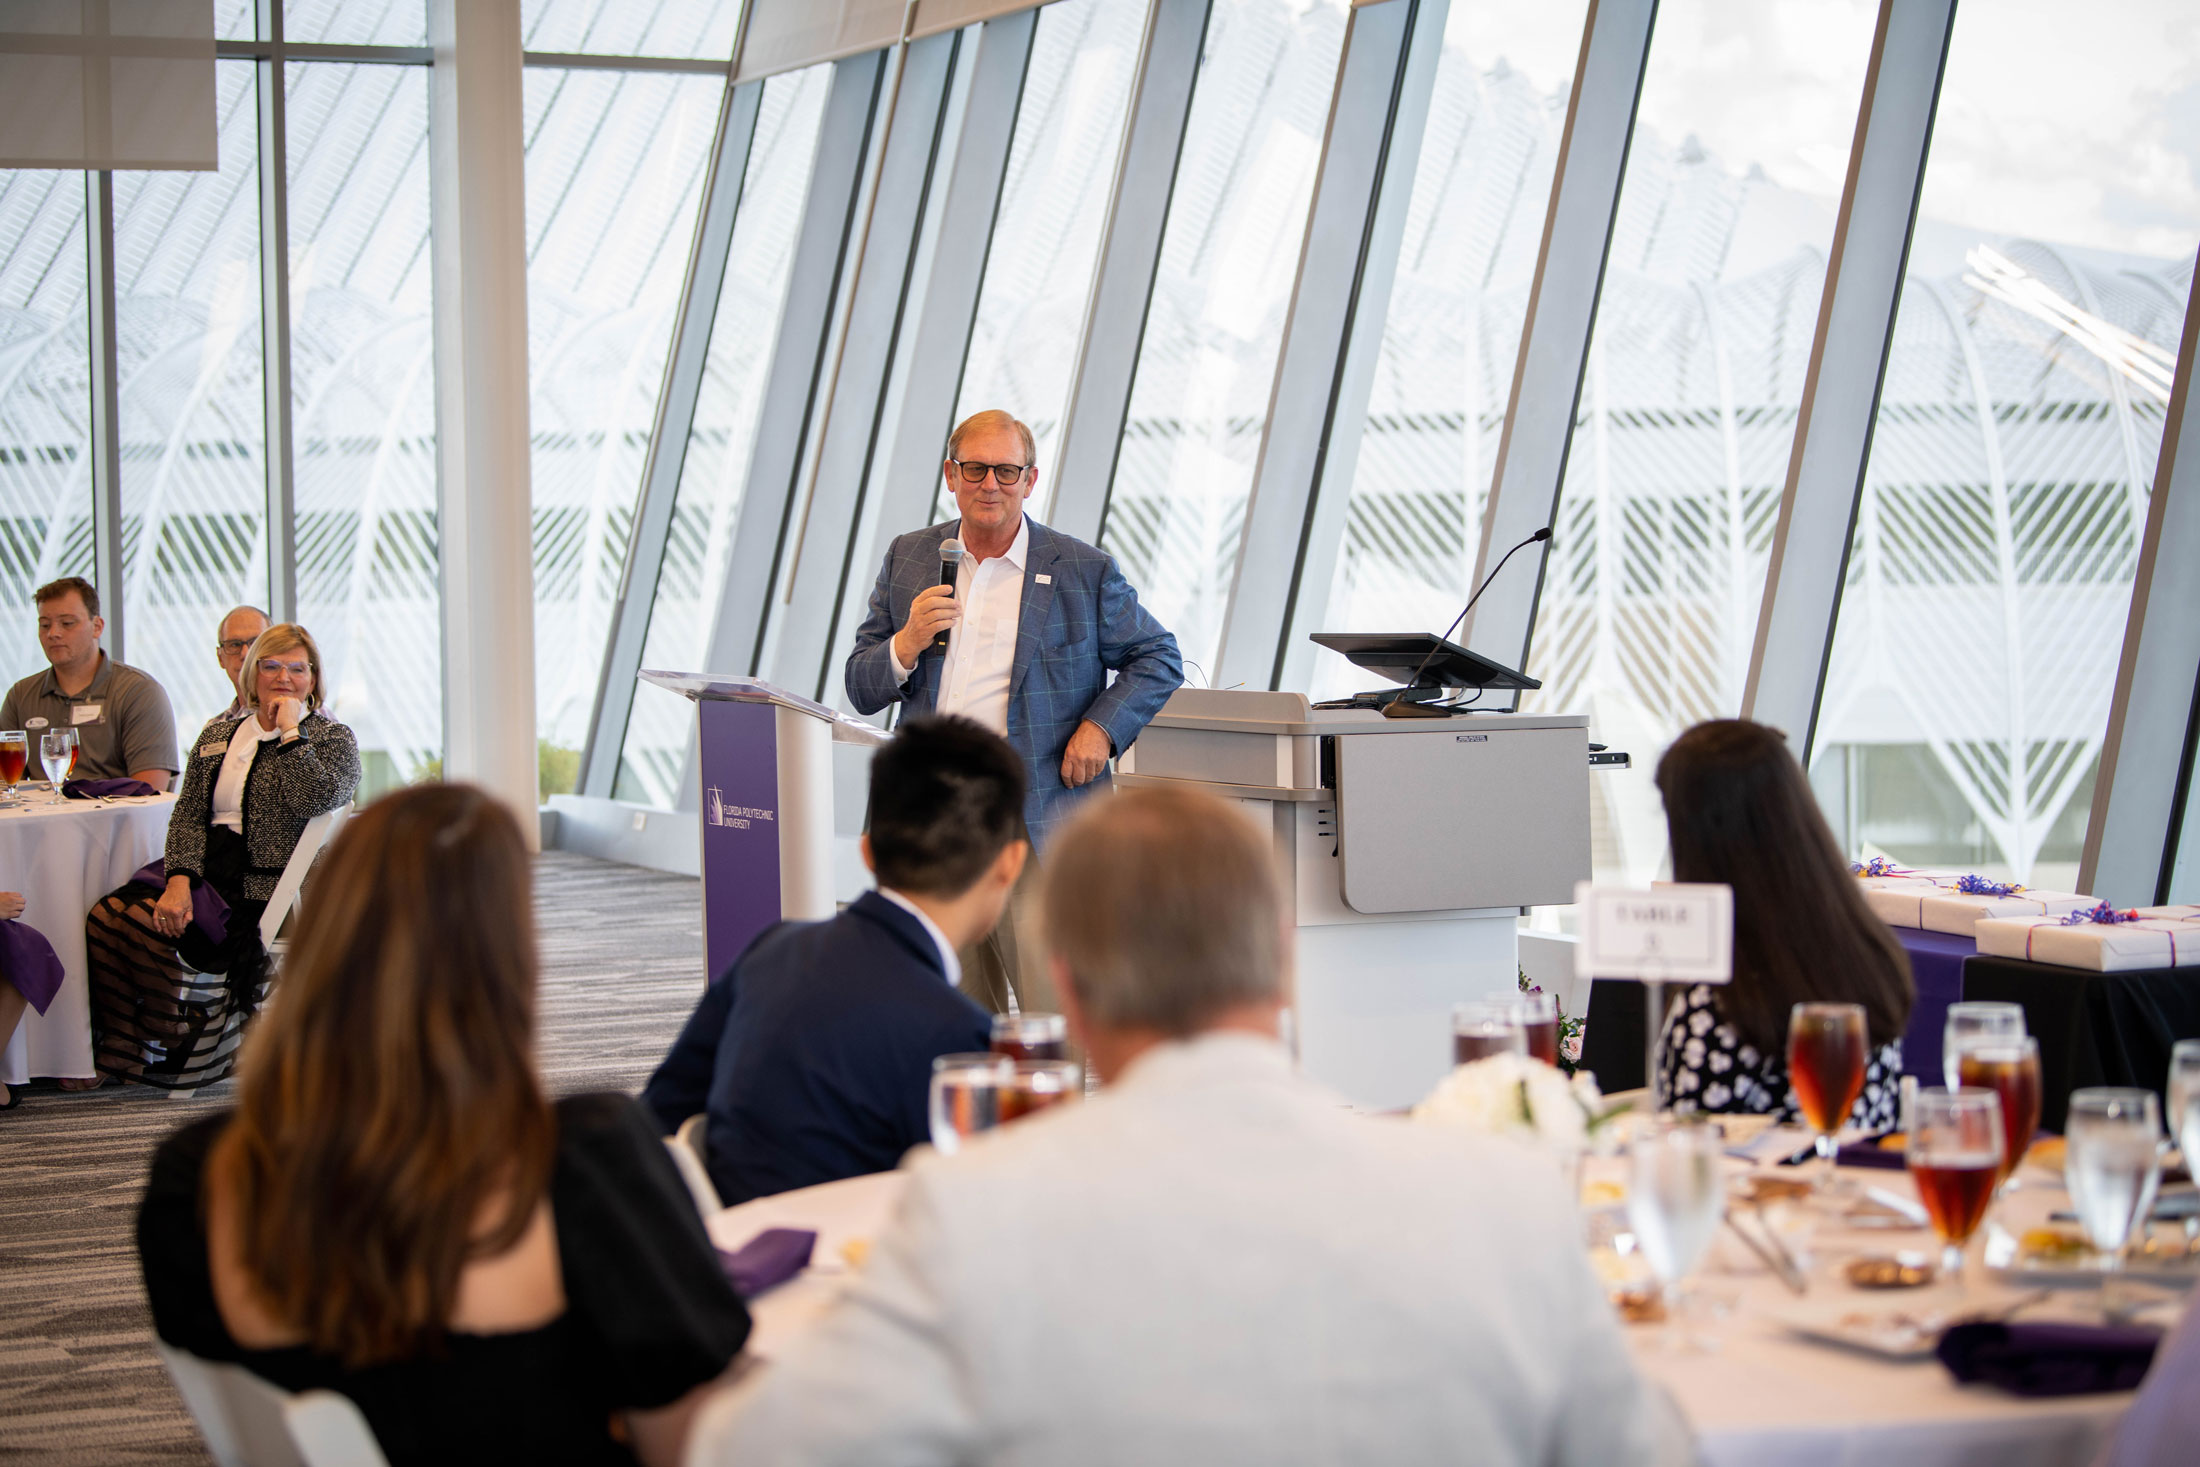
(739, 747)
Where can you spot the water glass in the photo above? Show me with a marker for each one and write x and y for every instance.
(1955, 1149)
(2112, 1165)
(57, 755)
(967, 1092)
(1485, 1027)
(1031, 1036)
(1975, 1022)
(2184, 1115)
(1676, 1197)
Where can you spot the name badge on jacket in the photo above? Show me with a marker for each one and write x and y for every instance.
(211, 751)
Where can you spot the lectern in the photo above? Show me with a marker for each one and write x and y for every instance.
(1409, 847)
(766, 759)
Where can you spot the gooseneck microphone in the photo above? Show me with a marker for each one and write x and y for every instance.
(951, 555)
(1542, 534)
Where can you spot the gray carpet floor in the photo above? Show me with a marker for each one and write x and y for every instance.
(622, 966)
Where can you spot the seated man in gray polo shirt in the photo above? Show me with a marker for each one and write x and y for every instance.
(124, 726)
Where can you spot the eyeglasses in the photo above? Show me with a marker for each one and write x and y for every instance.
(1006, 475)
(269, 667)
(235, 644)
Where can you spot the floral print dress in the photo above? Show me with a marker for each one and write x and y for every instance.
(1703, 1064)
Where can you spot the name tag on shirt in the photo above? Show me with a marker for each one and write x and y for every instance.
(87, 713)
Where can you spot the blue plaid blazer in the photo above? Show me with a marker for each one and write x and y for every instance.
(1080, 623)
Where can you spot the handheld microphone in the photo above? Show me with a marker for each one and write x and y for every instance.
(951, 554)
(1542, 534)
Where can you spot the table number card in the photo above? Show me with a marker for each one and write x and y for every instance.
(1674, 933)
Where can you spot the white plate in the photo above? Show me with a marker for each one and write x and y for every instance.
(1889, 1331)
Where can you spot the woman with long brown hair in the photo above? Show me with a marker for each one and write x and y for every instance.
(395, 1211)
(1738, 810)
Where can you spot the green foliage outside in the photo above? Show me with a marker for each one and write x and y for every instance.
(557, 770)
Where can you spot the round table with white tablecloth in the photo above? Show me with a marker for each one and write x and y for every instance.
(63, 856)
(1763, 1397)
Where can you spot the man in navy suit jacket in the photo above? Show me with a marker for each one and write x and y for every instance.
(812, 1055)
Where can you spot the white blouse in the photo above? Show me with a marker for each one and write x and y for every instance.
(236, 764)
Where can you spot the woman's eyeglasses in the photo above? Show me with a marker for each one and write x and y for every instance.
(269, 667)
(1006, 475)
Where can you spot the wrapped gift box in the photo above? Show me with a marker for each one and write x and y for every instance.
(2164, 937)
(1929, 899)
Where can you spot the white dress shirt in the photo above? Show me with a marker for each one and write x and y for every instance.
(236, 764)
(949, 963)
(981, 649)
(1212, 1262)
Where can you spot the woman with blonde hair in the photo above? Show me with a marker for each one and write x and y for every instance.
(250, 784)
(395, 1211)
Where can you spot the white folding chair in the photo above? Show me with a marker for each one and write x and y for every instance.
(319, 831)
(250, 1423)
(688, 1155)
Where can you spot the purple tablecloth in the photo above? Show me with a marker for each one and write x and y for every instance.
(1936, 965)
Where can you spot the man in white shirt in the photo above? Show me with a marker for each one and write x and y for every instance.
(1035, 624)
(1213, 1261)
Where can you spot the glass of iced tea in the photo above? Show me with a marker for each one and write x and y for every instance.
(1955, 1155)
(1031, 1036)
(2011, 1069)
(1827, 1051)
(967, 1095)
(1539, 1023)
(1485, 1027)
(15, 757)
(1040, 1084)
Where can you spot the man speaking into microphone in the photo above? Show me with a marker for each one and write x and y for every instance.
(1020, 634)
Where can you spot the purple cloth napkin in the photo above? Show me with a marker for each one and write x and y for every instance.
(93, 789)
(2050, 1359)
(771, 1257)
(1870, 1154)
(30, 964)
(209, 913)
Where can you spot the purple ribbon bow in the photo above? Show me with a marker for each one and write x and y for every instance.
(1877, 866)
(2104, 914)
(1980, 886)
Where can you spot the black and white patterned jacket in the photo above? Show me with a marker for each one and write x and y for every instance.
(287, 786)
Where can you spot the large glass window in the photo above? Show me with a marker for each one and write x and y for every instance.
(45, 401)
(356, 22)
(696, 29)
(1437, 407)
(1990, 576)
(362, 362)
(717, 462)
(193, 406)
(1206, 366)
(1695, 373)
(615, 164)
(1046, 233)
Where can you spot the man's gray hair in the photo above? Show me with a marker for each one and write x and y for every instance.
(223, 625)
(1167, 907)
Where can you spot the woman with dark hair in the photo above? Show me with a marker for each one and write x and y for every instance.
(395, 1211)
(1738, 810)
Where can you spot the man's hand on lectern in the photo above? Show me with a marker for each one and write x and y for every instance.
(1087, 754)
(933, 612)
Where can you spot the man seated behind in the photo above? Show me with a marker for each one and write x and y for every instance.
(1214, 1260)
(812, 1055)
(124, 726)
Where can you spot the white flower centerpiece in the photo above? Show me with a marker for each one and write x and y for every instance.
(1513, 1095)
